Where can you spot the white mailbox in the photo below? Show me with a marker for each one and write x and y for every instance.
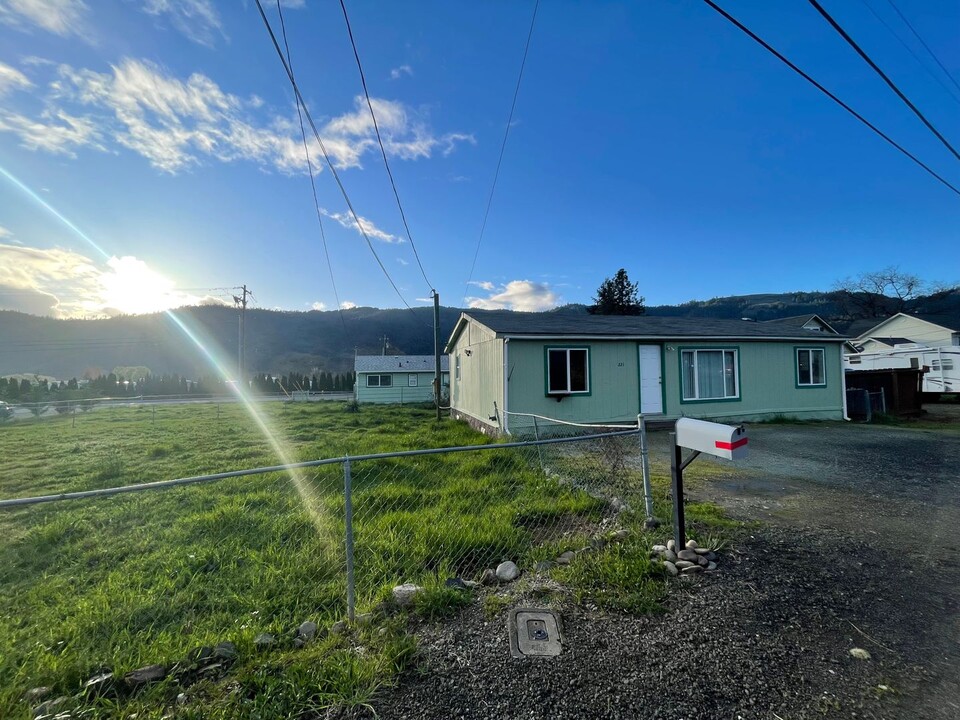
(726, 441)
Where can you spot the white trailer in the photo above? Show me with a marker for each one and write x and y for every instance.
(941, 364)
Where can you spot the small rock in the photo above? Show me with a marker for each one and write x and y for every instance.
(403, 595)
(471, 584)
(711, 556)
(338, 628)
(364, 619)
(299, 642)
(182, 699)
(47, 707)
(598, 543)
(692, 569)
(144, 675)
(691, 544)
(659, 549)
(669, 555)
(263, 641)
(566, 558)
(711, 566)
(671, 568)
(37, 693)
(308, 630)
(455, 583)
(860, 653)
(671, 545)
(684, 564)
(507, 571)
(701, 551)
(544, 565)
(99, 684)
(489, 577)
(702, 561)
(688, 555)
(621, 535)
(225, 650)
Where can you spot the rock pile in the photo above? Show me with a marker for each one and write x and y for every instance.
(689, 560)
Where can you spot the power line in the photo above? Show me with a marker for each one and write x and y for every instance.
(826, 92)
(383, 152)
(313, 182)
(852, 43)
(326, 156)
(926, 47)
(910, 50)
(503, 146)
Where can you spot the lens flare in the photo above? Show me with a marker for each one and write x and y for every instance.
(216, 359)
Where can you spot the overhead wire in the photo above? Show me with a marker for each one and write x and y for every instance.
(503, 146)
(313, 182)
(769, 48)
(326, 157)
(925, 46)
(383, 152)
(910, 50)
(876, 68)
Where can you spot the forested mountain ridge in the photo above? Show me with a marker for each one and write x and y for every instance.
(281, 342)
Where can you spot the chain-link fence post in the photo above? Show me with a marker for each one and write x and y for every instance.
(536, 434)
(348, 517)
(645, 466)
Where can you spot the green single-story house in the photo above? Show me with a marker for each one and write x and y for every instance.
(608, 369)
(399, 379)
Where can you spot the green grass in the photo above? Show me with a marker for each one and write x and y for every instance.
(143, 578)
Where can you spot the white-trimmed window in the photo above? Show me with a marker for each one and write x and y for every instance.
(568, 371)
(379, 380)
(710, 374)
(412, 380)
(811, 371)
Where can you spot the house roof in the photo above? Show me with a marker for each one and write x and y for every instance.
(891, 341)
(801, 320)
(399, 363)
(507, 323)
(863, 329)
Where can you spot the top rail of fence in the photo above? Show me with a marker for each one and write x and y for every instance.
(198, 479)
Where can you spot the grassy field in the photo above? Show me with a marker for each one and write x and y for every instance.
(122, 582)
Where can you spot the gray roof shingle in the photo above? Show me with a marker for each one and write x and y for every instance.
(511, 323)
(399, 363)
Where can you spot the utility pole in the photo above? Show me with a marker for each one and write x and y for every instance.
(241, 302)
(385, 341)
(438, 380)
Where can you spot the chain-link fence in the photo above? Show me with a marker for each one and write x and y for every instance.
(128, 576)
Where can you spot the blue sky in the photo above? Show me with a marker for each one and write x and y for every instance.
(650, 136)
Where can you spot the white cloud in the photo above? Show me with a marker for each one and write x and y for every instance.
(62, 17)
(347, 221)
(4, 233)
(12, 79)
(178, 123)
(524, 295)
(398, 72)
(63, 283)
(348, 305)
(196, 19)
(483, 284)
(318, 306)
(402, 262)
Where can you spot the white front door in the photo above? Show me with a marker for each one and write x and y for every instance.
(651, 393)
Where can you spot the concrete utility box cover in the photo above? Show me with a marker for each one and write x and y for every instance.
(534, 632)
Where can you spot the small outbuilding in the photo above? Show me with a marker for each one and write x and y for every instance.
(508, 366)
(402, 379)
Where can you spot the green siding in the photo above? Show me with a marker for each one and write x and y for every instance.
(400, 392)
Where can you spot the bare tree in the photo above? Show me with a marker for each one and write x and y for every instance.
(878, 293)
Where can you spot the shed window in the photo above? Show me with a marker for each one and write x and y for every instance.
(947, 364)
(710, 374)
(568, 371)
(379, 380)
(810, 368)
(412, 380)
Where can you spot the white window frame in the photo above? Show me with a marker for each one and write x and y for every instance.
(413, 380)
(586, 370)
(696, 375)
(380, 377)
(823, 364)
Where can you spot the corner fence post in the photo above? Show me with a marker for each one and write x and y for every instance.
(645, 466)
(348, 516)
(676, 482)
(536, 435)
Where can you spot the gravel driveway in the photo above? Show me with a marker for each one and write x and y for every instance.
(858, 548)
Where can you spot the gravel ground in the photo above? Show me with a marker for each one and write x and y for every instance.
(858, 549)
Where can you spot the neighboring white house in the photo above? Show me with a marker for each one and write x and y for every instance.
(911, 341)
(398, 378)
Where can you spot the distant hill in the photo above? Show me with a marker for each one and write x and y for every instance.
(281, 342)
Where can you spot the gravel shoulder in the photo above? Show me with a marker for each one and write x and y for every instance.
(858, 548)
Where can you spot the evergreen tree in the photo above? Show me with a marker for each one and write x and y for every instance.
(618, 296)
